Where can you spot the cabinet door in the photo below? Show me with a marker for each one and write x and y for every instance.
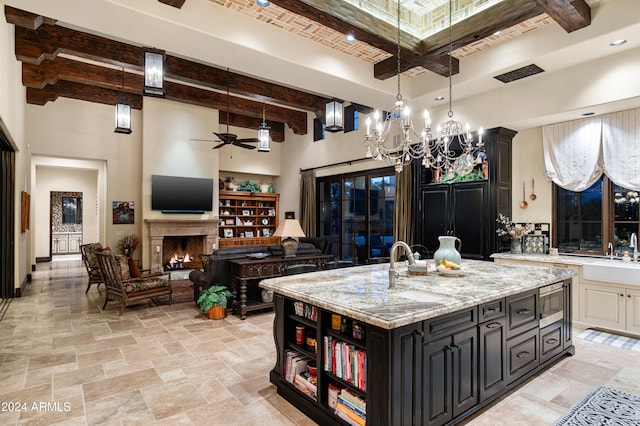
(603, 305)
(469, 216)
(567, 324)
(405, 375)
(465, 370)
(437, 382)
(492, 359)
(435, 216)
(633, 311)
(63, 244)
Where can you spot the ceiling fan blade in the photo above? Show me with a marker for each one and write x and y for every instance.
(227, 137)
(220, 145)
(248, 140)
(243, 145)
(202, 140)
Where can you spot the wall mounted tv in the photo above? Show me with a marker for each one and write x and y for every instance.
(174, 194)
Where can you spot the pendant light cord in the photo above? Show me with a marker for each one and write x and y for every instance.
(228, 80)
(450, 114)
(398, 96)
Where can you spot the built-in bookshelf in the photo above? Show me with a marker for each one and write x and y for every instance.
(247, 219)
(325, 360)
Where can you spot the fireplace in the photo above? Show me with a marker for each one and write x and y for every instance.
(177, 238)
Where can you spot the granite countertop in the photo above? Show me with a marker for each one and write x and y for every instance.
(562, 259)
(362, 293)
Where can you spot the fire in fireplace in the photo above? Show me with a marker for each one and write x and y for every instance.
(181, 252)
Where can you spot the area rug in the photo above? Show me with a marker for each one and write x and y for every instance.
(610, 339)
(603, 406)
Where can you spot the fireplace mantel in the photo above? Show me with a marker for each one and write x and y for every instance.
(160, 228)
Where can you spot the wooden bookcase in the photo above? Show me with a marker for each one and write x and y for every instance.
(247, 219)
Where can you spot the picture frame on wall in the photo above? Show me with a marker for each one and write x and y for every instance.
(123, 212)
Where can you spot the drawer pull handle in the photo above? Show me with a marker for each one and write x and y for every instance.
(493, 325)
(490, 310)
(523, 354)
(551, 341)
(523, 311)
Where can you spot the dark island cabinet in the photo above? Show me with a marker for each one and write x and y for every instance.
(433, 372)
(467, 210)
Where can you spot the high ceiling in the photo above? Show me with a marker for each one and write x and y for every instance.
(67, 52)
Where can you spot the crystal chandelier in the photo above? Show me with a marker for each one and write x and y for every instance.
(452, 146)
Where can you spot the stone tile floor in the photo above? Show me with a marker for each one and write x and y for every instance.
(65, 361)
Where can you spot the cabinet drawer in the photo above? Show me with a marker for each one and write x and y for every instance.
(522, 312)
(522, 353)
(450, 323)
(550, 341)
(491, 310)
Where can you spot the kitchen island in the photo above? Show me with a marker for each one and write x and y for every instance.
(430, 351)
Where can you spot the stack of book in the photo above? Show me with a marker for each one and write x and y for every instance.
(351, 408)
(345, 361)
(295, 372)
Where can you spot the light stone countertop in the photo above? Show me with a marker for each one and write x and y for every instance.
(362, 293)
(564, 259)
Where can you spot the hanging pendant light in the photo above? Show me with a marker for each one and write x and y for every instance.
(453, 150)
(123, 113)
(393, 138)
(264, 138)
(153, 73)
(334, 117)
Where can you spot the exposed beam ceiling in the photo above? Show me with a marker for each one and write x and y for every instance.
(91, 67)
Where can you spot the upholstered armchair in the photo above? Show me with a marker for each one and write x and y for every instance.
(91, 264)
(126, 289)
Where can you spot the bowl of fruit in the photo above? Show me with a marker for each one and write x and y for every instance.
(448, 268)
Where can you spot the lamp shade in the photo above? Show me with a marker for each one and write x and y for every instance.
(153, 73)
(264, 138)
(334, 116)
(289, 228)
(123, 117)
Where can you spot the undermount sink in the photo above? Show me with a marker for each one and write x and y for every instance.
(613, 272)
(422, 296)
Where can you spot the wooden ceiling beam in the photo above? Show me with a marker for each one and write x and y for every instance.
(21, 18)
(83, 92)
(174, 3)
(49, 41)
(276, 130)
(570, 15)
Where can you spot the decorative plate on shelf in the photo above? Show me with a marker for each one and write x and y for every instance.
(464, 165)
(265, 221)
(534, 243)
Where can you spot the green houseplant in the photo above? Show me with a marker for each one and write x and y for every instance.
(213, 301)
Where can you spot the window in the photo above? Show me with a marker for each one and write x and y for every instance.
(355, 212)
(587, 221)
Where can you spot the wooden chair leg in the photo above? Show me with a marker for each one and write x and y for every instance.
(124, 305)
(106, 299)
(88, 287)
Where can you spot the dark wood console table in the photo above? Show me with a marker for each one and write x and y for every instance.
(247, 269)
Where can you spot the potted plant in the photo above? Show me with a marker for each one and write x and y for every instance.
(213, 301)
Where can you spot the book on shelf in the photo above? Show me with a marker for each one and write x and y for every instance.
(351, 417)
(295, 363)
(353, 405)
(345, 361)
(303, 384)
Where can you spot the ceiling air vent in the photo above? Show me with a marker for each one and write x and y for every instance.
(523, 72)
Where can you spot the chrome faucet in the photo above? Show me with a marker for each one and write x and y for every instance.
(392, 272)
(633, 243)
(610, 247)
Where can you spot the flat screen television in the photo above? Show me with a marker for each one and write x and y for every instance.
(175, 194)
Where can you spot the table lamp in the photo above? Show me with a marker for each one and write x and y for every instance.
(289, 229)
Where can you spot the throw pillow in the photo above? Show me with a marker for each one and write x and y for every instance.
(133, 268)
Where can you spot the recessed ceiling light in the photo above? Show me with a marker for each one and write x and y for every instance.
(350, 38)
(587, 114)
(618, 43)
(263, 3)
(439, 98)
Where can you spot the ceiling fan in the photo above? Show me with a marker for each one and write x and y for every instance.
(230, 138)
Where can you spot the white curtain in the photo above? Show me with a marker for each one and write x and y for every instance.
(572, 153)
(621, 148)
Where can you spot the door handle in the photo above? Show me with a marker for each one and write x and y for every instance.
(523, 354)
(493, 325)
